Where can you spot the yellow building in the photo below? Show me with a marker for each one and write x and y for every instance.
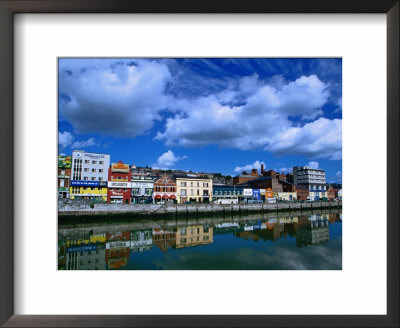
(88, 193)
(193, 189)
(288, 196)
(194, 236)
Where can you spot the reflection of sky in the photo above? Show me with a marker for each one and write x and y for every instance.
(230, 252)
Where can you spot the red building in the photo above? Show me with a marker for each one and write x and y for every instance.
(119, 183)
(164, 189)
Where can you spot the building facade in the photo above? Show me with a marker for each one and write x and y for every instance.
(89, 175)
(119, 184)
(64, 176)
(164, 189)
(142, 189)
(193, 236)
(313, 178)
(193, 189)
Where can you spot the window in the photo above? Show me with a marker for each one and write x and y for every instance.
(94, 162)
(192, 231)
(94, 170)
(183, 231)
(183, 240)
(183, 192)
(205, 185)
(183, 184)
(85, 178)
(101, 162)
(101, 170)
(191, 192)
(86, 169)
(100, 179)
(93, 178)
(198, 184)
(92, 188)
(87, 161)
(198, 192)
(191, 184)
(62, 183)
(84, 188)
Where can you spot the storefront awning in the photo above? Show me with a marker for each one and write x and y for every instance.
(172, 197)
(157, 196)
(164, 196)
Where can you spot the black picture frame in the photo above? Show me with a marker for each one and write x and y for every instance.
(10, 7)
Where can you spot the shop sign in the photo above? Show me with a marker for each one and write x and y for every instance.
(64, 162)
(63, 189)
(91, 155)
(247, 192)
(262, 192)
(114, 193)
(256, 194)
(64, 176)
(119, 167)
(142, 185)
(115, 184)
(84, 183)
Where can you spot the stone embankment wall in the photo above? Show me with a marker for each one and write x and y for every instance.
(82, 207)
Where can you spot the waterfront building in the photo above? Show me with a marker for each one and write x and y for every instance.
(330, 193)
(302, 192)
(142, 189)
(64, 176)
(194, 236)
(193, 189)
(164, 189)
(288, 196)
(314, 179)
(244, 177)
(219, 191)
(119, 184)
(89, 173)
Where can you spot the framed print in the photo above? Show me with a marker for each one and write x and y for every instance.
(48, 51)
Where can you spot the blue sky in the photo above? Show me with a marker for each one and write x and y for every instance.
(206, 115)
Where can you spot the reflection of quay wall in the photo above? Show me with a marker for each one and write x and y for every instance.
(66, 207)
(70, 230)
(194, 236)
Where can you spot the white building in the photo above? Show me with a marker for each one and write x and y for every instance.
(89, 175)
(315, 179)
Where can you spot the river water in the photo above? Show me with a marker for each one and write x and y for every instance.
(292, 241)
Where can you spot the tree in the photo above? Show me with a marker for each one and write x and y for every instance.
(228, 177)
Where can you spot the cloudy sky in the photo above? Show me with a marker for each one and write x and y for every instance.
(212, 115)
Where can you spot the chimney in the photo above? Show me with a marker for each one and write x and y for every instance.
(262, 169)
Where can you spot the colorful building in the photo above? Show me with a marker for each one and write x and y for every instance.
(287, 196)
(119, 184)
(64, 176)
(193, 189)
(89, 173)
(164, 189)
(142, 189)
(219, 191)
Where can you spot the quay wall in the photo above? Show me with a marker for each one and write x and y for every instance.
(83, 208)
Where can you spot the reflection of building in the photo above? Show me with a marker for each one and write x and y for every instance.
(85, 257)
(193, 189)
(119, 185)
(117, 257)
(89, 175)
(164, 189)
(164, 239)
(64, 176)
(316, 232)
(142, 189)
(194, 236)
(141, 240)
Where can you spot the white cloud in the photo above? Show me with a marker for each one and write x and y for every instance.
(82, 144)
(167, 160)
(249, 167)
(313, 165)
(285, 169)
(114, 97)
(261, 119)
(65, 139)
(338, 175)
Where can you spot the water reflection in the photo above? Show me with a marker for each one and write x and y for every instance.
(212, 243)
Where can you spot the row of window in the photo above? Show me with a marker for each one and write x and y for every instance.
(185, 184)
(86, 169)
(192, 192)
